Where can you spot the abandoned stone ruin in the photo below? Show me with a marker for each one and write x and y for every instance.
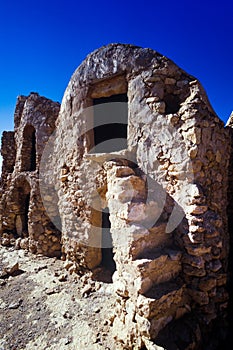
(150, 213)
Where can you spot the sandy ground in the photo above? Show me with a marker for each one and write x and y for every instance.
(43, 307)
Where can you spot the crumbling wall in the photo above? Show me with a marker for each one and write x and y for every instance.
(8, 153)
(19, 110)
(24, 220)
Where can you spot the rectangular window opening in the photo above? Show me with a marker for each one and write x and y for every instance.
(110, 123)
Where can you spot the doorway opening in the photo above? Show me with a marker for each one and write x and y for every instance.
(107, 265)
(22, 212)
(107, 245)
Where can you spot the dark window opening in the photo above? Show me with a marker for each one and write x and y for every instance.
(29, 149)
(172, 104)
(110, 123)
(107, 251)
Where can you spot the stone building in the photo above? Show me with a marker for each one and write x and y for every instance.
(128, 180)
(23, 215)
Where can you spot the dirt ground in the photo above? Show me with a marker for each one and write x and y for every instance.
(43, 307)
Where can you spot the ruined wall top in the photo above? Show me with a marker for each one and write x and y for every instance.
(31, 112)
(33, 108)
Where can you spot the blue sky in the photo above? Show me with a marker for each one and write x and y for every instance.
(43, 42)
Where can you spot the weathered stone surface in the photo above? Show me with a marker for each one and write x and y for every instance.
(160, 301)
(12, 268)
(24, 215)
(160, 200)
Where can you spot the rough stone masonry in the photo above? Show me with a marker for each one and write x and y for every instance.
(149, 212)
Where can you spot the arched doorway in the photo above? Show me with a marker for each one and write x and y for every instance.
(22, 196)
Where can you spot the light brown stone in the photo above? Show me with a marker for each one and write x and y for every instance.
(165, 189)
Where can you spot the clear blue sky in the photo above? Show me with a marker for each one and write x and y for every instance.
(42, 43)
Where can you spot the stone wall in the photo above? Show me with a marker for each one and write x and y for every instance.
(8, 153)
(24, 221)
(230, 228)
(165, 247)
(167, 211)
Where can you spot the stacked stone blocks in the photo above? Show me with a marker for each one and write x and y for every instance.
(166, 192)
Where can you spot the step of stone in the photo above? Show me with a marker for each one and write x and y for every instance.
(155, 253)
(127, 189)
(161, 300)
(156, 237)
(156, 267)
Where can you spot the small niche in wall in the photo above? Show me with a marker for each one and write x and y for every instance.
(110, 123)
